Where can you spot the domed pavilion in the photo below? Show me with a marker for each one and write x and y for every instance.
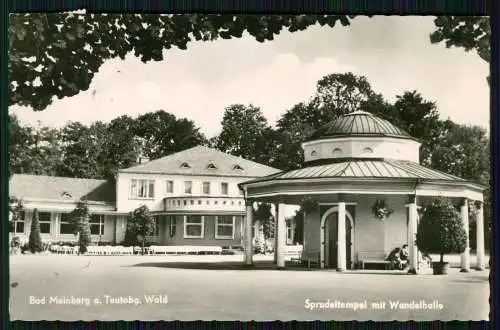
(362, 178)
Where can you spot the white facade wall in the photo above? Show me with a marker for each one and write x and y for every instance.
(126, 203)
(355, 147)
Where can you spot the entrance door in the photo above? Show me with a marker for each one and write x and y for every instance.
(331, 241)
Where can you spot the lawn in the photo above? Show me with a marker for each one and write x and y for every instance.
(201, 287)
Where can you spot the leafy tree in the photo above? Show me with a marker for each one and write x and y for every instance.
(265, 217)
(463, 151)
(19, 140)
(32, 150)
(35, 239)
(468, 32)
(420, 118)
(71, 47)
(342, 93)
(120, 145)
(242, 131)
(440, 229)
(164, 134)
(80, 217)
(295, 126)
(83, 150)
(140, 223)
(336, 94)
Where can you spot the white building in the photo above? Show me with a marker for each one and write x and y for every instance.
(193, 195)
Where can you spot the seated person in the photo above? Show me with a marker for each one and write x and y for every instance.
(403, 256)
(394, 258)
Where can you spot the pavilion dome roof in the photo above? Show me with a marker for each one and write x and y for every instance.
(359, 123)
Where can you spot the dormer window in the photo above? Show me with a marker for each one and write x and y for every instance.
(313, 153)
(66, 195)
(368, 151)
(237, 167)
(337, 152)
(185, 165)
(211, 166)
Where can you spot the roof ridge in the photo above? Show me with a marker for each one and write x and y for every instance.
(55, 176)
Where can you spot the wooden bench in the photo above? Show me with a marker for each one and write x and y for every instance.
(293, 253)
(373, 257)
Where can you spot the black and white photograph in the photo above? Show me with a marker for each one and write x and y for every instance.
(249, 167)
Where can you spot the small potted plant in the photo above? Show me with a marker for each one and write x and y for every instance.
(441, 231)
(381, 210)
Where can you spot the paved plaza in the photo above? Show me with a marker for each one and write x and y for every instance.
(218, 288)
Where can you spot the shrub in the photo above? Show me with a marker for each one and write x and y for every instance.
(80, 217)
(35, 240)
(139, 223)
(15, 242)
(25, 248)
(441, 229)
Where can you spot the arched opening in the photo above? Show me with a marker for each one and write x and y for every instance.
(329, 239)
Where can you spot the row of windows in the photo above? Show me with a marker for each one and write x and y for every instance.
(141, 188)
(338, 152)
(193, 225)
(96, 222)
(211, 166)
(184, 202)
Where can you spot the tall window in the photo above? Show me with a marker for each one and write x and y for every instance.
(224, 188)
(188, 187)
(142, 188)
(206, 188)
(224, 226)
(45, 220)
(66, 226)
(289, 231)
(97, 224)
(171, 225)
(17, 226)
(193, 226)
(170, 187)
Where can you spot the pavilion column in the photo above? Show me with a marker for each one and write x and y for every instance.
(465, 256)
(480, 237)
(276, 211)
(341, 243)
(248, 233)
(280, 235)
(412, 233)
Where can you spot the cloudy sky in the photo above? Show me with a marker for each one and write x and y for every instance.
(394, 53)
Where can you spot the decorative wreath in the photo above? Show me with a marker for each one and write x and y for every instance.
(381, 210)
(309, 204)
